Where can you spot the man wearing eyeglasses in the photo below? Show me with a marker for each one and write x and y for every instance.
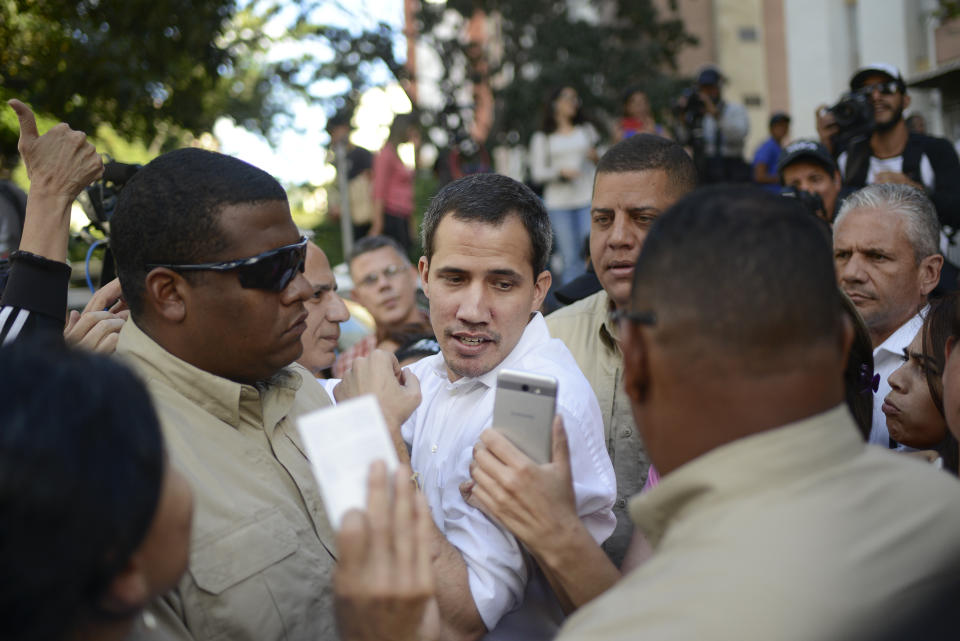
(385, 283)
(211, 266)
(892, 154)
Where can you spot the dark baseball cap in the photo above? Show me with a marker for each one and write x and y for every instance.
(806, 150)
(779, 116)
(877, 67)
(709, 76)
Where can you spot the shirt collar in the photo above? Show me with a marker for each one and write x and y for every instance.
(603, 308)
(900, 339)
(747, 465)
(534, 334)
(216, 395)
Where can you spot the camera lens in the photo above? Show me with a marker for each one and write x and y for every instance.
(525, 388)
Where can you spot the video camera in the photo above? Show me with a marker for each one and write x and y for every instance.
(810, 202)
(100, 199)
(854, 118)
(689, 107)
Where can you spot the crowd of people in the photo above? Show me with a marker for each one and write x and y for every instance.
(756, 424)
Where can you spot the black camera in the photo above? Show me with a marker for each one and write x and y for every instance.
(854, 116)
(689, 106)
(808, 201)
(99, 199)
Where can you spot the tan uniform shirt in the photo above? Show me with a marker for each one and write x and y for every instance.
(799, 533)
(585, 328)
(262, 550)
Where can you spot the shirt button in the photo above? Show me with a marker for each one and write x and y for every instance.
(621, 503)
(434, 448)
(626, 433)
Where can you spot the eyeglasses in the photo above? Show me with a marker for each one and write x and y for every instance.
(389, 272)
(887, 88)
(272, 270)
(640, 318)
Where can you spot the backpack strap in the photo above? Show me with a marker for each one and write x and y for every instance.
(912, 155)
(858, 163)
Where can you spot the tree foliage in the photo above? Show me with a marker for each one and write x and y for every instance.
(541, 45)
(153, 67)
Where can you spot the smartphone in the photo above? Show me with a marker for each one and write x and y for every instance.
(523, 410)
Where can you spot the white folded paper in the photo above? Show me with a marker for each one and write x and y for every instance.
(342, 441)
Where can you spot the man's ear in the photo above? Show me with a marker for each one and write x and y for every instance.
(129, 591)
(423, 266)
(906, 101)
(540, 288)
(165, 293)
(636, 366)
(929, 272)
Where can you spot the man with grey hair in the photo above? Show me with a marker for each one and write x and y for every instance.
(885, 246)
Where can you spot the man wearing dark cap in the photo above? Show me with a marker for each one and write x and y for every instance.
(768, 154)
(725, 129)
(807, 166)
(894, 155)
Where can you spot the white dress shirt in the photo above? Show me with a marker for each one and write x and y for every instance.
(887, 357)
(442, 433)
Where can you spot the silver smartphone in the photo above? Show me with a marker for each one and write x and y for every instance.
(523, 410)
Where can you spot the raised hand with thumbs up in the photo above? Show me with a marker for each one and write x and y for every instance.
(60, 163)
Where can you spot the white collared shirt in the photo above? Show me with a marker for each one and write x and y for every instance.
(442, 433)
(887, 357)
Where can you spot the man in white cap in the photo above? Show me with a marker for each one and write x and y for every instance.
(894, 155)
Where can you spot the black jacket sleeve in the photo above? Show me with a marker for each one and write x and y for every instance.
(946, 172)
(34, 302)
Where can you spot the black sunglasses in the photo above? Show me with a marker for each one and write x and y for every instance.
(272, 270)
(887, 88)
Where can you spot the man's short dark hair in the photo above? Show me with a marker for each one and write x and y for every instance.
(368, 244)
(491, 199)
(81, 475)
(742, 273)
(169, 212)
(646, 152)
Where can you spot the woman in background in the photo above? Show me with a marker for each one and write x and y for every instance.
(393, 185)
(563, 158)
(637, 116)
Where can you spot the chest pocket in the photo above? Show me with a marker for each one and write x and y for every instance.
(233, 575)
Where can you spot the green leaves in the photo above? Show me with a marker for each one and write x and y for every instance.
(540, 45)
(158, 67)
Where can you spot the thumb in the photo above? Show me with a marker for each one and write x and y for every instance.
(28, 123)
(71, 321)
(410, 381)
(561, 449)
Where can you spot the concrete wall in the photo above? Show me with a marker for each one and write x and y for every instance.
(698, 20)
(741, 57)
(819, 58)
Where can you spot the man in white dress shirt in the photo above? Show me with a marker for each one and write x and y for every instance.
(886, 249)
(486, 242)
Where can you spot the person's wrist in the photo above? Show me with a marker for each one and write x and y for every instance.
(53, 201)
(564, 545)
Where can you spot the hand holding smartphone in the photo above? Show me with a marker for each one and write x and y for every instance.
(523, 410)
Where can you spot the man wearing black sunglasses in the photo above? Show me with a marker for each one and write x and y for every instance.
(892, 154)
(211, 265)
